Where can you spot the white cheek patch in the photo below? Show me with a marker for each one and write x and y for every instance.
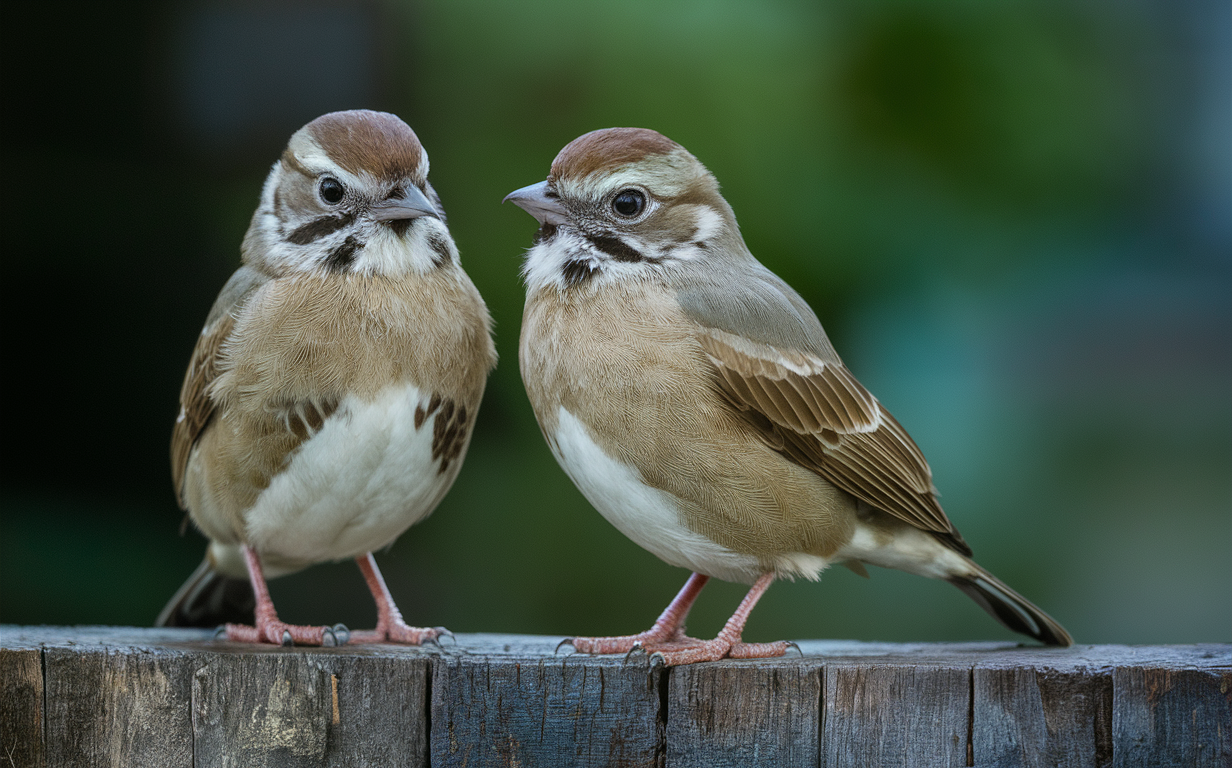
(708, 222)
(297, 257)
(545, 262)
(385, 253)
(541, 268)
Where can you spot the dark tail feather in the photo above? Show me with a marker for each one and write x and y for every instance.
(1010, 608)
(208, 599)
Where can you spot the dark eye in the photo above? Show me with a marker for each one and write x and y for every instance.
(331, 190)
(629, 203)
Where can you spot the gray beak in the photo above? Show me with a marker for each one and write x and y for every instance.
(538, 202)
(411, 205)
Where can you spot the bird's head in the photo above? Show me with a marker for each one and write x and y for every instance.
(350, 194)
(621, 203)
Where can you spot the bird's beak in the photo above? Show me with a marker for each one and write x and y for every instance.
(539, 202)
(411, 205)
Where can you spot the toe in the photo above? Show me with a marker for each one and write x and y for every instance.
(758, 650)
(242, 633)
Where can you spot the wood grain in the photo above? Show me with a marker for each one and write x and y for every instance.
(310, 709)
(743, 715)
(1172, 718)
(382, 711)
(572, 712)
(115, 696)
(895, 715)
(117, 707)
(1041, 717)
(21, 708)
(287, 704)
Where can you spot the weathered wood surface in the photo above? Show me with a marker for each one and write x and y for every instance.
(105, 696)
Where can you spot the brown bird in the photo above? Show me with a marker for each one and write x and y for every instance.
(694, 399)
(332, 393)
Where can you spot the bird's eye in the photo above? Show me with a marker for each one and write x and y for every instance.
(331, 190)
(629, 203)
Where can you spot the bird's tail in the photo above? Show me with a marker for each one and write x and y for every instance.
(1013, 610)
(208, 599)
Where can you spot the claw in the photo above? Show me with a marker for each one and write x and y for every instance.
(220, 631)
(328, 639)
(341, 634)
(794, 644)
(567, 641)
(657, 660)
(636, 647)
(286, 638)
(442, 632)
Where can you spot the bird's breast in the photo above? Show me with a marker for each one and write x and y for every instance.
(344, 407)
(621, 359)
(374, 468)
(652, 518)
(633, 413)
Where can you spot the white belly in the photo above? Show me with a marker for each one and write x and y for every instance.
(647, 515)
(364, 478)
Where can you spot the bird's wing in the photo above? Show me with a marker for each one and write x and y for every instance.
(196, 405)
(808, 406)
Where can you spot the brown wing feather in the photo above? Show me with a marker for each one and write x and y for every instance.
(196, 406)
(820, 416)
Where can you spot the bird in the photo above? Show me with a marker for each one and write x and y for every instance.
(331, 396)
(694, 399)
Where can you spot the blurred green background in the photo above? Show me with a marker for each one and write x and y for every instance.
(1012, 217)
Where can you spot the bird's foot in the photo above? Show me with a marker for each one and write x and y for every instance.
(279, 633)
(398, 631)
(650, 640)
(713, 650)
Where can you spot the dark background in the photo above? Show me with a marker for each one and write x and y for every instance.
(1013, 219)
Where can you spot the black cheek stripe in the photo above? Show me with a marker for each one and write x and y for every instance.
(440, 248)
(577, 272)
(616, 248)
(342, 257)
(318, 228)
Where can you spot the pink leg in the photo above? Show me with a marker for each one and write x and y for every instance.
(667, 629)
(269, 629)
(389, 624)
(728, 644)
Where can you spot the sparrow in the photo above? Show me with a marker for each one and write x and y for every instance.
(332, 393)
(694, 399)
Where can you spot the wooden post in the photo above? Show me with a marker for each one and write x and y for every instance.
(108, 696)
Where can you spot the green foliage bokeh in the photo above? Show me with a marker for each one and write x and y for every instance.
(997, 210)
